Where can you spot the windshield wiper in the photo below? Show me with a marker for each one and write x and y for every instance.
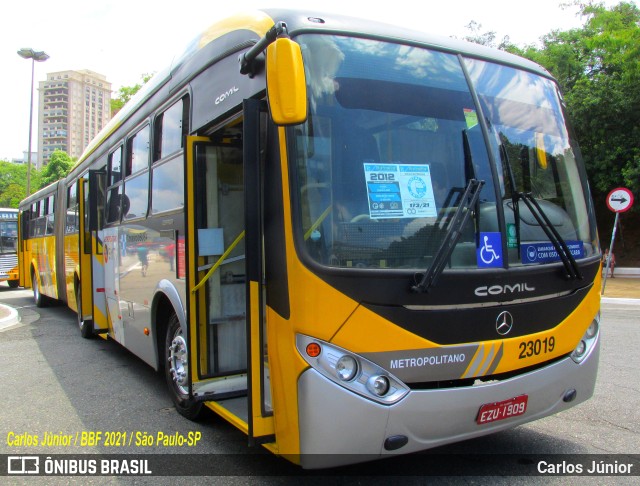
(467, 202)
(515, 195)
(569, 262)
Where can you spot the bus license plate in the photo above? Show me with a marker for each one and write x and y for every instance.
(490, 412)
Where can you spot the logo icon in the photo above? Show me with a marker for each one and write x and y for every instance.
(417, 187)
(23, 465)
(504, 323)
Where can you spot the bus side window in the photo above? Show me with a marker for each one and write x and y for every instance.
(170, 128)
(71, 224)
(114, 203)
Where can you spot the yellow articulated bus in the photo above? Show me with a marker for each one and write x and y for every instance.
(8, 244)
(349, 240)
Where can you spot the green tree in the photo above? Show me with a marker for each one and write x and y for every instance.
(12, 196)
(485, 38)
(125, 93)
(598, 69)
(13, 183)
(58, 167)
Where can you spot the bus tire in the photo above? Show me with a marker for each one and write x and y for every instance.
(13, 284)
(176, 370)
(39, 299)
(86, 327)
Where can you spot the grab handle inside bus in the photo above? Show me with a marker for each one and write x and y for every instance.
(222, 258)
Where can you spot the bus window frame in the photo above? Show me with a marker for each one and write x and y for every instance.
(131, 175)
(159, 128)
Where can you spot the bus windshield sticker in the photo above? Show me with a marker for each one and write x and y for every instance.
(400, 191)
(545, 252)
(471, 117)
(512, 236)
(489, 254)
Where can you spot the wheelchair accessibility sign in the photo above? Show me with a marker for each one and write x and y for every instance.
(489, 252)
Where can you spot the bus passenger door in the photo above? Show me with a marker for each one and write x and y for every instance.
(91, 286)
(83, 291)
(23, 268)
(217, 275)
(97, 194)
(224, 304)
(261, 424)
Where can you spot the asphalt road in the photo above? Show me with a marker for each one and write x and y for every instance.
(55, 382)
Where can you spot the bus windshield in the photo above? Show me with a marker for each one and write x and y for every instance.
(8, 236)
(392, 140)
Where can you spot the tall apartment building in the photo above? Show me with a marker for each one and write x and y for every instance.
(73, 108)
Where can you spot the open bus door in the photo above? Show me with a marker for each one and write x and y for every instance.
(84, 297)
(23, 268)
(227, 329)
(90, 289)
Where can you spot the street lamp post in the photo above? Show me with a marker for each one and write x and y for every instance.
(40, 56)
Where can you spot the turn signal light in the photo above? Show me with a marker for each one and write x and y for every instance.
(313, 350)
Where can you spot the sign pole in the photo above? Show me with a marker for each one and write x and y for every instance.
(619, 200)
(613, 239)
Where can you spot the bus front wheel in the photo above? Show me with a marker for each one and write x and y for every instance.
(13, 284)
(176, 369)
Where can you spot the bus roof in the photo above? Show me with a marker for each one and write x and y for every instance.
(257, 23)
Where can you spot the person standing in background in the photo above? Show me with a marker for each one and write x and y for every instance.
(612, 261)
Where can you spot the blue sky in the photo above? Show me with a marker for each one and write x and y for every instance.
(125, 39)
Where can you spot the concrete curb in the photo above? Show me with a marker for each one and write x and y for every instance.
(619, 300)
(11, 320)
(627, 271)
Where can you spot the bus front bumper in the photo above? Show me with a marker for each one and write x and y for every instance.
(338, 427)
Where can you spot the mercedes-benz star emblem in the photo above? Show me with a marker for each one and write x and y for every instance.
(504, 323)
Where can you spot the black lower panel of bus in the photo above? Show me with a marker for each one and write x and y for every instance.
(476, 324)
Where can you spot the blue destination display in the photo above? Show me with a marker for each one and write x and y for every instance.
(545, 252)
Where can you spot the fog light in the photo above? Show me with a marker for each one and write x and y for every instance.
(570, 396)
(580, 348)
(378, 384)
(346, 368)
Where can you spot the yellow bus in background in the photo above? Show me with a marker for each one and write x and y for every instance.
(349, 240)
(8, 244)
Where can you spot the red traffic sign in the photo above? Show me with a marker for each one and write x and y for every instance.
(620, 200)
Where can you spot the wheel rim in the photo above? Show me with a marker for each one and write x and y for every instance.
(178, 364)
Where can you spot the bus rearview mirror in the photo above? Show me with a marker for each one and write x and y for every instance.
(286, 84)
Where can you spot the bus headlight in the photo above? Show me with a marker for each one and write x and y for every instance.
(346, 367)
(351, 371)
(588, 340)
(378, 384)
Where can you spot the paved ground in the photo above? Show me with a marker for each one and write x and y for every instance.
(622, 287)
